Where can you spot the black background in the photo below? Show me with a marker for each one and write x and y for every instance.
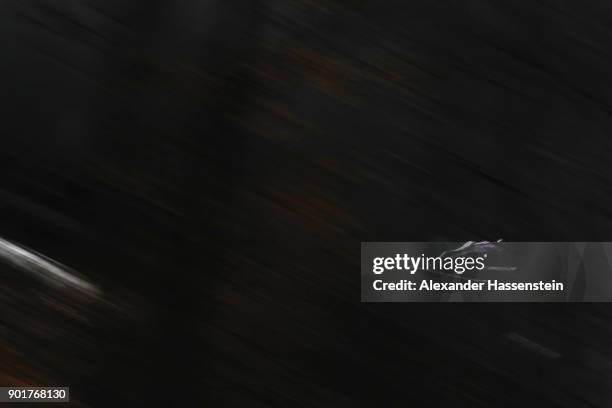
(214, 166)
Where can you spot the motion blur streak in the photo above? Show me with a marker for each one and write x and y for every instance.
(43, 267)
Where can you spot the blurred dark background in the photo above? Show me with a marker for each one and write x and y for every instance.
(213, 167)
